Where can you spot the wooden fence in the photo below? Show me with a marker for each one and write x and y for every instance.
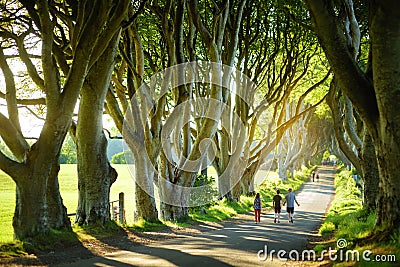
(117, 209)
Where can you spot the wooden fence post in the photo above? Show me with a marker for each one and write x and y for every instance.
(121, 208)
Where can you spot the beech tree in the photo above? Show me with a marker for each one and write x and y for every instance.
(275, 51)
(142, 54)
(320, 138)
(375, 99)
(222, 39)
(356, 145)
(179, 24)
(352, 136)
(95, 174)
(39, 204)
(292, 146)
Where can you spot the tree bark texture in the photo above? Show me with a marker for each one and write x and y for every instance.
(174, 199)
(58, 218)
(385, 37)
(333, 100)
(31, 211)
(142, 140)
(39, 205)
(95, 174)
(370, 172)
(173, 213)
(145, 205)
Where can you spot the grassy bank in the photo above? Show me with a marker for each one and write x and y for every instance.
(347, 220)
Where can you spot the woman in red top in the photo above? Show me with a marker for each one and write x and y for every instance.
(257, 207)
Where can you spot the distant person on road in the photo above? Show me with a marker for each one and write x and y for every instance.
(313, 175)
(276, 202)
(290, 198)
(257, 207)
(317, 176)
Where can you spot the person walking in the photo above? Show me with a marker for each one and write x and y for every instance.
(313, 175)
(257, 207)
(317, 176)
(276, 202)
(290, 198)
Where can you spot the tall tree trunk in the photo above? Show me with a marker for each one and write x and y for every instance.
(237, 191)
(57, 212)
(333, 101)
(145, 153)
(39, 205)
(36, 211)
(224, 186)
(370, 172)
(95, 173)
(247, 181)
(31, 213)
(145, 207)
(385, 36)
(388, 205)
(174, 201)
(173, 213)
(95, 179)
(173, 196)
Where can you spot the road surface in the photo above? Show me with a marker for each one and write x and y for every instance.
(237, 242)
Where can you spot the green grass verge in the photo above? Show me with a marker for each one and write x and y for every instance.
(52, 240)
(347, 220)
(7, 200)
(110, 228)
(58, 239)
(148, 226)
(346, 204)
(14, 249)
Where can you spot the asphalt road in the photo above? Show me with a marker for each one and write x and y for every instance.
(238, 242)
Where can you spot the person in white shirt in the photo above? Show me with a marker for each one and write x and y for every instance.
(290, 198)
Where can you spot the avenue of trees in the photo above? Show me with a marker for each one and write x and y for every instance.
(270, 83)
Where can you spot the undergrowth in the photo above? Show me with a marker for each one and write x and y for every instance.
(348, 220)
